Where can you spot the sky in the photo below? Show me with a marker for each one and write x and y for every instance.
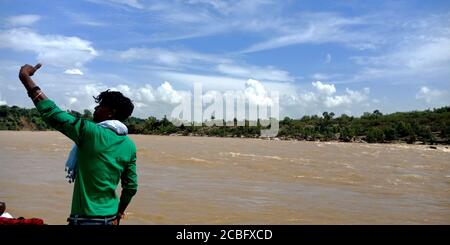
(340, 56)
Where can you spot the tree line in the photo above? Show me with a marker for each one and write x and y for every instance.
(428, 126)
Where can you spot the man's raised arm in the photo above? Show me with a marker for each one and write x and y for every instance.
(74, 128)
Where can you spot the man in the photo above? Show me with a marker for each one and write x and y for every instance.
(103, 154)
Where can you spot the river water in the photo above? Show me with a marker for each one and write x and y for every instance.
(205, 180)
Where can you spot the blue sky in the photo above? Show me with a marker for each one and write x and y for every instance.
(341, 56)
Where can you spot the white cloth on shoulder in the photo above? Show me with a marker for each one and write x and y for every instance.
(6, 215)
(71, 163)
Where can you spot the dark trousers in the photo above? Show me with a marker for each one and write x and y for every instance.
(82, 220)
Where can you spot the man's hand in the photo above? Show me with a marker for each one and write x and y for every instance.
(27, 71)
(119, 217)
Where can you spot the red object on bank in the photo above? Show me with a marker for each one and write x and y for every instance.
(21, 221)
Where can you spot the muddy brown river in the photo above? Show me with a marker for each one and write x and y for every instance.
(205, 180)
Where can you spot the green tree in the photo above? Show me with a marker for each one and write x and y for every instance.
(375, 135)
(389, 133)
(347, 134)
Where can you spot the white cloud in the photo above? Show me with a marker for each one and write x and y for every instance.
(256, 93)
(317, 28)
(159, 101)
(147, 100)
(128, 3)
(74, 71)
(420, 53)
(226, 7)
(23, 20)
(417, 56)
(430, 95)
(262, 73)
(347, 99)
(327, 59)
(255, 89)
(323, 88)
(324, 97)
(142, 95)
(72, 100)
(131, 3)
(221, 6)
(286, 40)
(199, 18)
(210, 96)
(125, 89)
(168, 94)
(320, 76)
(72, 92)
(431, 53)
(208, 82)
(2, 102)
(83, 19)
(336, 101)
(308, 97)
(81, 97)
(217, 82)
(170, 57)
(155, 55)
(145, 94)
(56, 50)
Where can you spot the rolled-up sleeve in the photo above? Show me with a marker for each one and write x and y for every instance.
(74, 128)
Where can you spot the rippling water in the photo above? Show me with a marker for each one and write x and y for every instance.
(199, 180)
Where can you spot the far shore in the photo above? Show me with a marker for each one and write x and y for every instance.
(417, 143)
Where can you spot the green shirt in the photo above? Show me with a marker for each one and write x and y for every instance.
(103, 159)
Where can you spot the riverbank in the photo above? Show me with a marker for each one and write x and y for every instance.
(415, 127)
(358, 140)
(355, 140)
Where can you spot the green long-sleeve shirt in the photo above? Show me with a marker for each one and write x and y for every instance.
(103, 159)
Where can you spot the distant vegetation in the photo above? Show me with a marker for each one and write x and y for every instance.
(429, 126)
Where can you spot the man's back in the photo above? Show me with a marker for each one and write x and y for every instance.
(103, 158)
